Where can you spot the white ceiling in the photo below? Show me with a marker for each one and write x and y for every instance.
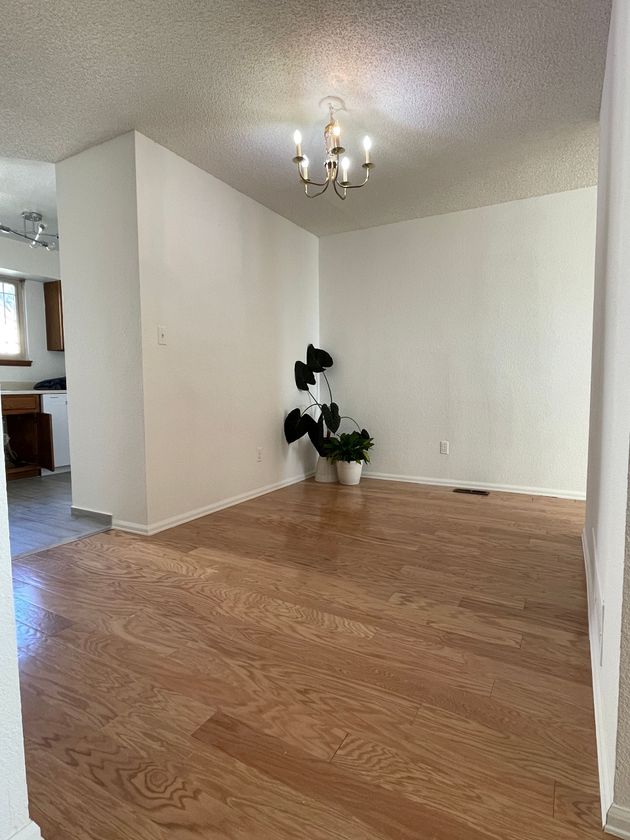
(27, 185)
(468, 102)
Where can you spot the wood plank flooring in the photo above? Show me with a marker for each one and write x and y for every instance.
(40, 514)
(381, 662)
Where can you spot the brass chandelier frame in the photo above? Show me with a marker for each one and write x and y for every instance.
(332, 165)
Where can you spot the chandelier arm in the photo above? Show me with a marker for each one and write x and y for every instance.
(314, 195)
(308, 181)
(26, 236)
(357, 186)
(341, 196)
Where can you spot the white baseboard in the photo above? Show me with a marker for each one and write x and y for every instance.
(180, 519)
(132, 527)
(105, 518)
(605, 783)
(29, 832)
(480, 485)
(56, 471)
(618, 821)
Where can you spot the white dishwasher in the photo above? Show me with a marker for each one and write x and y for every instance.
(57, 406)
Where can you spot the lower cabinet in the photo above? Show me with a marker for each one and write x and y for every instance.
(57, 406)
(30, 436)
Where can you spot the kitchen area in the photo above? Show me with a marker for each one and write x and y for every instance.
(35, 418)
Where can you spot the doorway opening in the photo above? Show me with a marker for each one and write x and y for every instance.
(34, 395)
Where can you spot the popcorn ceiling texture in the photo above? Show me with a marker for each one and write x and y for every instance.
(27, 185)
(469, 102)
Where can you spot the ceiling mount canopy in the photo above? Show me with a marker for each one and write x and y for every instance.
(335, 169)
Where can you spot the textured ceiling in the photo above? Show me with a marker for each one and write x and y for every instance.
(468, 102)
(27, 185)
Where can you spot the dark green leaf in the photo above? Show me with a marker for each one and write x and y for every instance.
(334, 417)
(349, 447)
(327, 415)
(312, 360)
(316, 435)
(318, 359)
(304, 376)
(294, 429)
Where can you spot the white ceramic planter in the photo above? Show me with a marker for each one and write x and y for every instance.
(349, 473)
(325, 471)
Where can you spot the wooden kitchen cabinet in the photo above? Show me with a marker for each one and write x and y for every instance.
(54, 315)
(20, 404)
(30, 435)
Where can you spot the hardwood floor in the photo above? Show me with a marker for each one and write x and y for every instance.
(40, 514)
(381, 662)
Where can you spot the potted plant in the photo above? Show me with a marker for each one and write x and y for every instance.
(300, 422)
(348, 452)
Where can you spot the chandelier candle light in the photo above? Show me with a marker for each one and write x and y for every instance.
(335, 170)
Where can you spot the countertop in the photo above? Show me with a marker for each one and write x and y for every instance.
(4, 393)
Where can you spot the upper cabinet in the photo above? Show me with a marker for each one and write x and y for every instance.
(54, 315)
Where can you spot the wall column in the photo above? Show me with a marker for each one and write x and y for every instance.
(15, 823)
(607, 490)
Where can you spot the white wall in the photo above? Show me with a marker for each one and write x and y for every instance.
(610, 396)
(236, 286)
(472, 327)
(102, 328)
(13, 796)
(161, 433)
(622, 770)
(47, 364)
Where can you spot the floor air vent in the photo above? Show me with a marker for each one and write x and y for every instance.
(471, 492)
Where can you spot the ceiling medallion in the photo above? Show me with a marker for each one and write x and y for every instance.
(33, 232)
(335, 170)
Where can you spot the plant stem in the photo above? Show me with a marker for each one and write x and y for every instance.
(345, 417)
(315, 402)
(327, 383)
(312, 405)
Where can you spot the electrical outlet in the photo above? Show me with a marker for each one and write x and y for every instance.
(444, 447)
(259, 453)
(161, 335)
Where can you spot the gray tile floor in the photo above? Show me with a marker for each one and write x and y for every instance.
(40, 517)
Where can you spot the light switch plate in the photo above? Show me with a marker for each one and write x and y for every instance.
(161, 335)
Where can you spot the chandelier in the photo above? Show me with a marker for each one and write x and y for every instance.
(335, 170)
(33, 232)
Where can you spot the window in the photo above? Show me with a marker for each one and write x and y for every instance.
(12, 323)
